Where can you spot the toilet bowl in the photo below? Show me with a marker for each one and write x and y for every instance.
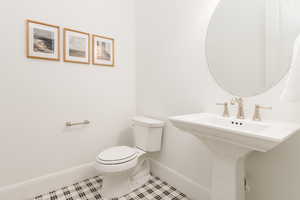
(124, 169)
(118, 167)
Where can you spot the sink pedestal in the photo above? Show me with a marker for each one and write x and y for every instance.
(227, 171)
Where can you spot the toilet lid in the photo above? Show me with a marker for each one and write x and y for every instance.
(117, 155)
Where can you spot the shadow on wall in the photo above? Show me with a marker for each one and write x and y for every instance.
(126, 137)
(282, 161)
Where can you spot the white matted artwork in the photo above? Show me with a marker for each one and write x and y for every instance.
(76, 46)
(103, 51)
(42, 41)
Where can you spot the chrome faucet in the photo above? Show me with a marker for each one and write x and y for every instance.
(240, 103)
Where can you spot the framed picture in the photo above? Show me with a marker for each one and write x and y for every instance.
(42, 41)
(103, 51)
(76, 46)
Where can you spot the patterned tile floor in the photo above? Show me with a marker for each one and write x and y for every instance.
(88, 189)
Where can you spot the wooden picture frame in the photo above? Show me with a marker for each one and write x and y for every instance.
(103, 52)
(42, 41)
(76, 46)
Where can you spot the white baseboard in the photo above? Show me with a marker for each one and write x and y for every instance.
(189, 187)
(43, 184)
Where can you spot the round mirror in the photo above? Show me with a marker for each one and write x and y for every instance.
(249, 44)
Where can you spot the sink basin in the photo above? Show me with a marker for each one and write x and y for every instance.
(230, 140)
(259, 136)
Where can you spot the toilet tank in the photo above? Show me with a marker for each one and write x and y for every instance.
(147, 133)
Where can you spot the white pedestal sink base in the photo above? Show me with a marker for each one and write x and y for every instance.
(228, 170)
(227, 179)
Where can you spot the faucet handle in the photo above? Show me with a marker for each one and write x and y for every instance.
(257, 116)
(264, 107)
(226, 111)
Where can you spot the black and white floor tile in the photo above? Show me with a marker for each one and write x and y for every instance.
(88, 189)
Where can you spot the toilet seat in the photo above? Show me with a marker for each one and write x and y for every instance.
(117, 159)
(117, 155)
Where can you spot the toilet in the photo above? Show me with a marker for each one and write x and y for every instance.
(124, 169)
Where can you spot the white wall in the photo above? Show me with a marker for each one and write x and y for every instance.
(173, 79)
(38, 97)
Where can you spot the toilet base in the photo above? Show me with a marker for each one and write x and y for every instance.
(116, 185)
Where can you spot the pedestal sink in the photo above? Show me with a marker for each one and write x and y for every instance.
(230, 140)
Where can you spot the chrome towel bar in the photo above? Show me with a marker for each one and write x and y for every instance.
(77, 123)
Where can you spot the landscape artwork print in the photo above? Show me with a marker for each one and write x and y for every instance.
(42, 41)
